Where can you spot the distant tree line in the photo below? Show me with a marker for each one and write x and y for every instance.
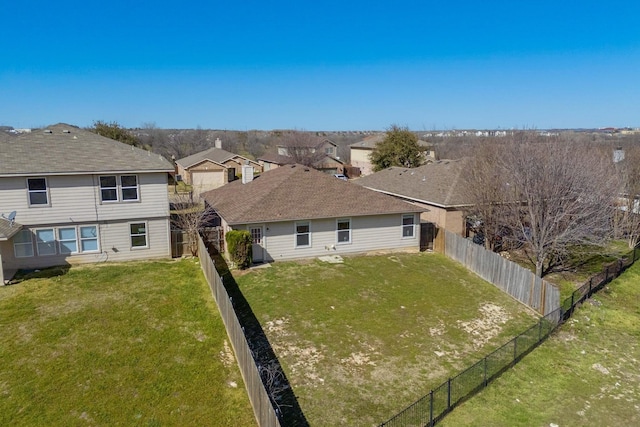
(179, 143)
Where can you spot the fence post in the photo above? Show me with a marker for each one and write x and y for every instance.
(571, 308)
(540, 329)
(590, 283)
(448, 394)
(515, 348)
(431, 408)
(485, 371)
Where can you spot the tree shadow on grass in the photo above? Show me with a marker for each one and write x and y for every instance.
(273, 377)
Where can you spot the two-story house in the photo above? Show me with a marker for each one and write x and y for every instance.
(68, 195)
(361, 152)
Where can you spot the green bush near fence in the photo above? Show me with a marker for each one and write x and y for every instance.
(239, 246)
(129, 344)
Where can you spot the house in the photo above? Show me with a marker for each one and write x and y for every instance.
(212, 168)
(68, 195)
(361, 150)
(437, 186)
(321, 155)
(295, 211)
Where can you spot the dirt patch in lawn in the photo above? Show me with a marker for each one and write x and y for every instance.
(487, 326)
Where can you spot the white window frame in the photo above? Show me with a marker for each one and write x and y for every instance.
(88, 239)
(129, 187)
(31, 192)
(133, 235)
(50, 244)
(339, 231)
(18, 243)
(61, 248)
(411, 226)
(298, 234)
(119, 189)
(110, 188)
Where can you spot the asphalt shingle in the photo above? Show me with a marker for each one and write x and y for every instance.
(296, 192)
(437, 183)
(66, 149)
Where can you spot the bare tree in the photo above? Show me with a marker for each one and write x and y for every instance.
(191, 218)
(488, 192)
(561, 195)
(301, 147)
(546, 194)
(627, 216)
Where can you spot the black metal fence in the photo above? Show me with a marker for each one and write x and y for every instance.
(431, 408)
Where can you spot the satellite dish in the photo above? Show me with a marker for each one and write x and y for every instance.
(11, 217)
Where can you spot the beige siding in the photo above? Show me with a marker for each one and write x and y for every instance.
(360, 159)
(451, 220)
(369, 233)
(205, 181)
(74, 201)
(76, 198)
(114, 244)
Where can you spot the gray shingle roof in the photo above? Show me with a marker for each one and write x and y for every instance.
(295, 192)
(437, 183)
(217, 155)
(66, 149)
(8, 229)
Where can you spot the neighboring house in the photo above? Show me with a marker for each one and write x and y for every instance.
(436, 186)
(297, 212)
(68, 196)
(360, 152)
(212, 168)
(321, 155)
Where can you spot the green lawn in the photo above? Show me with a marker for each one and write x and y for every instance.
(362, 340)
(586, 374)
(130, 344)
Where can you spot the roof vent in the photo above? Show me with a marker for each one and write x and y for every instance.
(66, 131)
(48, 131)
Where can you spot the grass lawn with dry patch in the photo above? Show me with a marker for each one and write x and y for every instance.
(130, 344)
(586, 374)
(362, 340)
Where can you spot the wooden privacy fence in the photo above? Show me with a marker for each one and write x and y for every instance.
(180, 240)
(520, 283)
(260, 401)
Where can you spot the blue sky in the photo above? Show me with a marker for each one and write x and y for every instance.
(326, 65)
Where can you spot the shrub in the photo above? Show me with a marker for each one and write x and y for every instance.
(239, 246)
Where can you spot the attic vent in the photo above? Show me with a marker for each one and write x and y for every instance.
(66, 131)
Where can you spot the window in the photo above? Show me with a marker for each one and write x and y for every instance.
(23, 244)
(303, 235)
(138, 234)
(89, 238)
(344, 231)
(46, 241)
(329, 151)
(37, 188)
(129, 185)
(67, 240)
(108, 189)
(408, 226)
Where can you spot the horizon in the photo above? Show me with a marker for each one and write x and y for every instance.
(331, 65)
